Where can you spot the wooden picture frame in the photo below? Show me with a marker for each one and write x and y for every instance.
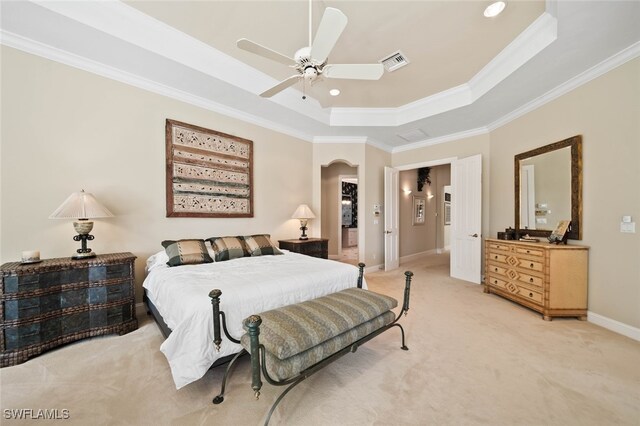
(419, 210)
(208, 173)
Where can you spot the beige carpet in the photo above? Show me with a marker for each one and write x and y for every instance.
(473, 359)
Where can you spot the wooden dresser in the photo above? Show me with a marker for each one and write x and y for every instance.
(548, 278)
(57, 301)
(316, 247)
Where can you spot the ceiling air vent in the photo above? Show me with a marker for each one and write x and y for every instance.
(395, 61)
(413, 135)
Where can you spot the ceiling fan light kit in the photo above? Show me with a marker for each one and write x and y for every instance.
(310, 62)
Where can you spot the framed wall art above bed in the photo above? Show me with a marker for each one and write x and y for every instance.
(209, 174)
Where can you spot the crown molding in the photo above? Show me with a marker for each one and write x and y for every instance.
(442, 139)
(592, 73)
(340, 139)
(540, 34)
(129, 24)
(39, 49)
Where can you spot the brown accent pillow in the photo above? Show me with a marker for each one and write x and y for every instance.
(258, 245)
(227, 248)
(186, 252)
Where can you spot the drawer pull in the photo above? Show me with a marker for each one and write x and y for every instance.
(528, 251)
(495, 269)
(531, 265)
(530, 280)
(495, 257)
(495, 281)
(530, 294)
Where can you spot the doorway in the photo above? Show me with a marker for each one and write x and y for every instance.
(348, 219)
(339, 217)
(424, 198)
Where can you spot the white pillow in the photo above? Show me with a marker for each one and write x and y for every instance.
(159, 259)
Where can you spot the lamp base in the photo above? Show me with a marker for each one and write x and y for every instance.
(79, 256)
(303, 228)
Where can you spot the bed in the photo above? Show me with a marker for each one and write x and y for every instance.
(178, 298)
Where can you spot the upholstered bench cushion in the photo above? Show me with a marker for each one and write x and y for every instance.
(280, 369)
(293, 329)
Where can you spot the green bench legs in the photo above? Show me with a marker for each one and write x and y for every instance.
(258, 353)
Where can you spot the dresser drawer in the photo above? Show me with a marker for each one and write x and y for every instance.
(530, 279)
(498, 257)
(531, 295)
(530, 265)
(530, 251)
(497, 270)
(516, 289)
(499, 246)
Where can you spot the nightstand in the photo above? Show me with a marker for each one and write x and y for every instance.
(57, 301)
(316, 247)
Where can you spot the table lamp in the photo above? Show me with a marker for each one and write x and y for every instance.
(81, 206)
(304, 213)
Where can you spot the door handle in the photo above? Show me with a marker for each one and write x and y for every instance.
(387, 232)
(474, 235)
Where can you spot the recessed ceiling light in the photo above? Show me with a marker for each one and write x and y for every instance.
(494, 9)
(334, 92)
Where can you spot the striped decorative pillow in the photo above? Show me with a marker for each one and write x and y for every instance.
(227, 248)
(186, 252)
(258, 245)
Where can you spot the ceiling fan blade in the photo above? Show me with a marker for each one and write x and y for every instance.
(265, 52)
(281, 86)
(354, 71)
(331, 26)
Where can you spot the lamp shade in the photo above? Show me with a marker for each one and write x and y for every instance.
(80, 205)
(303, 212)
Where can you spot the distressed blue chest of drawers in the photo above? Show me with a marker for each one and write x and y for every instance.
(58, 301)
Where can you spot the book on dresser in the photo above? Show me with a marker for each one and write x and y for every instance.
(548, 278)
(57, 301)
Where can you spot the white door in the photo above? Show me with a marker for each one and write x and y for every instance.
(391, 206)
(466, 215)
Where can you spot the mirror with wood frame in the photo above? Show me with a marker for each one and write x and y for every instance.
(548, 188)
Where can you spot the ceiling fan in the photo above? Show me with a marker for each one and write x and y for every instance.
(311, 62)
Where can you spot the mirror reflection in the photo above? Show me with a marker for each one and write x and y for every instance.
(548, 188)
(545, 190)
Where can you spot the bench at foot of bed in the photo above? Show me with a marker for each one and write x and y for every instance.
(291, 343)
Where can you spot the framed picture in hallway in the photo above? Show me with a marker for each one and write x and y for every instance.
(419, 207)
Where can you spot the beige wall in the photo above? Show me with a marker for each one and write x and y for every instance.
(330, 205)
(64, 129)
(606, 112)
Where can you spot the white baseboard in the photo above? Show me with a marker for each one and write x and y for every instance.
(613, 325)
(141, 310)
(374, 268)
(418, 255)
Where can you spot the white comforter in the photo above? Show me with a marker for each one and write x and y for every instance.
(249, 285)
